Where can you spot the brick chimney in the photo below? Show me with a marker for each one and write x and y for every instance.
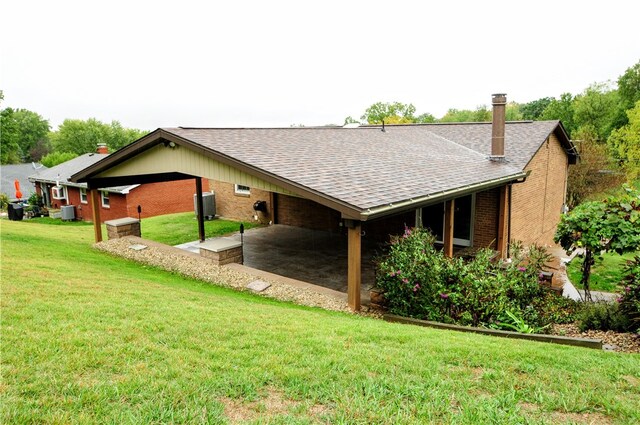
(102, 148)
(499, 102)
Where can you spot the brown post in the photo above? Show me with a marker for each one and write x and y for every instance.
(449, 209)
(354, 273)
(95, 214)
(499, 102)
(200, 209)
(502, 240)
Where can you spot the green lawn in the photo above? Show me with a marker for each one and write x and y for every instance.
(89, 338)
(170, 229)
(606, 273)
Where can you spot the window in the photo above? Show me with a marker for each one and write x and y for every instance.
(58, 192)
(432, 217)
(105, 199)
(242, 190)
(83, 195)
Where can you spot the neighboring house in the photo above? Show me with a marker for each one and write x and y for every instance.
(10, 172)
(114, 201)
(472, 184)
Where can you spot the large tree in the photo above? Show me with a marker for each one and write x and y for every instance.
(561, 109)
(24, 135)
(597, 109)
(625, 143)
(80, 137)
(629, 86)
(534, 109)
(389, 113)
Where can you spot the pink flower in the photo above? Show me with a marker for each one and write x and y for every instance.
(392, 274)
(522, 269)
(619, 299)
(399, 272)
(416, 287)
(444, 296)
(627, 289)
(405, 280)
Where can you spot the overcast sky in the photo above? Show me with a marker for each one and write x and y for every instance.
(152, 64)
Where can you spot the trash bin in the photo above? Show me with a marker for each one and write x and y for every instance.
(15, 211)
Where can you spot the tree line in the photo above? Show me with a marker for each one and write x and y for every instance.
(27, 137)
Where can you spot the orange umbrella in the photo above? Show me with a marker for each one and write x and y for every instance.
(16, 183)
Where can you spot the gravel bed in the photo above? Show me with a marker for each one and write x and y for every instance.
(173, 260)
(613, 341)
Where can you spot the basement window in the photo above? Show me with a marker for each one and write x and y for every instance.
(83, 195)
(105, 199)
(242, 190)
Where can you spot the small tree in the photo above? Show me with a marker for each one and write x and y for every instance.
(597, 227)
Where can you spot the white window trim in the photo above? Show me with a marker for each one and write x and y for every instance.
(102, 198)
(239, 189)
(456, 241)
(83, 194)
(59, 192)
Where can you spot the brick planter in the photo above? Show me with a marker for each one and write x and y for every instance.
(122, 227)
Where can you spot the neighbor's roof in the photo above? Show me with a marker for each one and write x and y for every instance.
(60, 173)
(361, 171)
(10, 172)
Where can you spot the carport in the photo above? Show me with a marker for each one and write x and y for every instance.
(364, 174)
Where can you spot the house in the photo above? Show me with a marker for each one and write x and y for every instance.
(114, 201)
(473, 185)
(11, 172)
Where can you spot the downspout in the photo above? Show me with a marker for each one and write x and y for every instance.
(509, 223)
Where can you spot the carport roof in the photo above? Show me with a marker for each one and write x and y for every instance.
(363, 172)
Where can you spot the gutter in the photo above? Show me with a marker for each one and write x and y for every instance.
(414, 203)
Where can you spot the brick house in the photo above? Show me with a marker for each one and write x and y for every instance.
(115, 201)
(472, 184)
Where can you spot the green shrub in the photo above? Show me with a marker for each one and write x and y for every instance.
(4, 201)
(602, 316)
(630, 299)
(419, 281)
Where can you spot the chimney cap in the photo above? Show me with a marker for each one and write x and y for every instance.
(499, 98)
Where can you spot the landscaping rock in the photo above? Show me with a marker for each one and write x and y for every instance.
(258, 285)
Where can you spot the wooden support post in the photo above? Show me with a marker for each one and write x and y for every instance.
(200, 209)
(354, 273)
(449, 208)
(503, 213)
(95, 214)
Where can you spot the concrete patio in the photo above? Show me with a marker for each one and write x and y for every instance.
(312, 256)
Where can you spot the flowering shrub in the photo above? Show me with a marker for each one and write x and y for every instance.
(419, 281)
(630, 298)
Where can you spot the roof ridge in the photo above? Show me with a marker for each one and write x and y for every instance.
(460, 145)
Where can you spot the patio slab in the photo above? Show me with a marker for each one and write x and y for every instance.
(312, 256)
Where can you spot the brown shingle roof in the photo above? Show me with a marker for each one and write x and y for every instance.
(363, 167)
(360, 171)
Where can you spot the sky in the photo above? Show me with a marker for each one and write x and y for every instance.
(150, 64)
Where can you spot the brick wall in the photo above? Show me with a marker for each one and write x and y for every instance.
(163, 198)
(485, 226)
(380, 230)
(240, 207)
(537, 203)
(154, 198)
(302, 212)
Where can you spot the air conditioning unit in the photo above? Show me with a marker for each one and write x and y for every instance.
(58, 192)
(208, 204)
(68, 212)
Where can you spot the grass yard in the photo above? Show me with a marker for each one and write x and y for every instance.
(606, 273)
(169, 229)
(90, 338)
